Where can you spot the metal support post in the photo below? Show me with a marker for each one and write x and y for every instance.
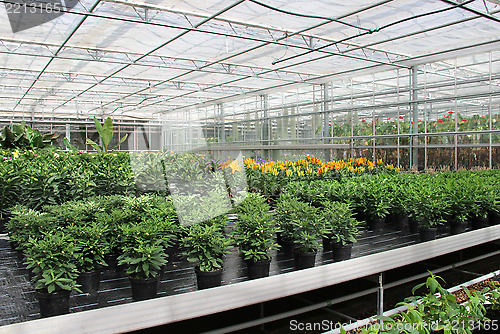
(326, 128)
(380, 295)
(264, 99)
(414, 111)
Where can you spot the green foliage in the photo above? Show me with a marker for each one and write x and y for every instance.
(206, 246)
(10, 187)
(23, 136)
(143, 258)
(52, 261)
(338, 222)
(69, 146)
(253, 203)
(429, 204)
(27, 224)
(89, 241)
(437, 310)
(105, 132)
(254, 233)
(299, 222)
(375, 198)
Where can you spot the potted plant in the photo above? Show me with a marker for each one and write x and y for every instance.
(460, 195)
(25, 224)
(90, 246)
(483, 203)
(287, 211)
(163, 215)
(143, 255)
(376, 202)
(398, 192)
(254, 235)
(205, 244)
(340, 227)
(112, 221)
(303, 227)
(52, 260)
(430, 208)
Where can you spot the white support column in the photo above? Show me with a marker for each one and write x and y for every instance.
(414, 110)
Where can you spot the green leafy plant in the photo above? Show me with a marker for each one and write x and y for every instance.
(253, 203)
(106, 134)
(27, 225)
(375, 199)
(52, 261)
(23, 136)
(89, 244)
(143, 259)
(429, 205)
(254, 234)
(300, 223)
(142, 250)
(338, 222)
(205, 244)
(437, 311)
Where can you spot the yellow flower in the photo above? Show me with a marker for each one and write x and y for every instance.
(15, 154)
(235, 167)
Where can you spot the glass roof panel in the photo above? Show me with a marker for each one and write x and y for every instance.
(249, 49)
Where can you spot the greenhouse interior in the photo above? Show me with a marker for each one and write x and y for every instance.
(250, 166)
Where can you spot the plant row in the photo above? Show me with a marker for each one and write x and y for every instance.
(429, 199)
(38, 177)
(60, 244)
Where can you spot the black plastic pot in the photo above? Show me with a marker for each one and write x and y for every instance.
(258, 269)
(441, 229)
(402, 222)
(479, 222)
(112, 261)
(288, 246)
(494, 218)
(173, 252)
(413, 225)
(427, 233)
(55, 303)
(90, 282)
(144, 288)
(304, 260)
(341, 252)
(457, 227)
(327, 242)
(376, 224)
(208, 279)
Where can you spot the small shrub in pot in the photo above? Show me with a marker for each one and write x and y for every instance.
(206, 244)
(52, 261)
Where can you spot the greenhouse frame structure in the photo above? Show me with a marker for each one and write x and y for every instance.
(412, 82)
(409, 83)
